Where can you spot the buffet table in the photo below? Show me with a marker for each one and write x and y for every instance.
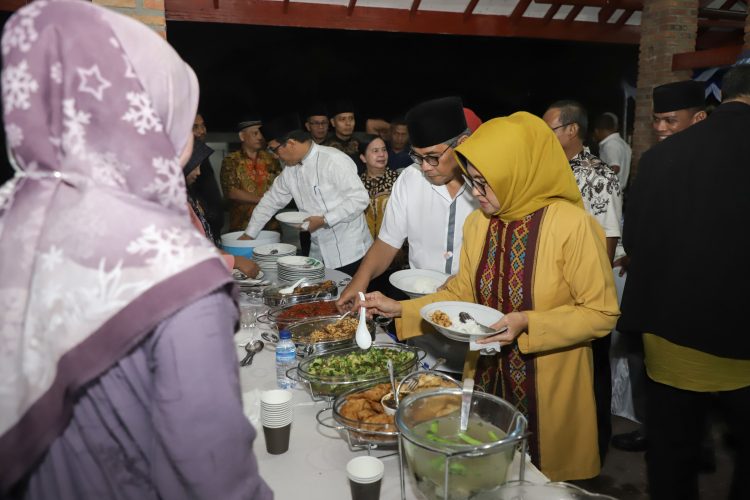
(317, 455)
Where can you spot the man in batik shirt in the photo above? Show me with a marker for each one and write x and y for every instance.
(247, 174)
(602, 198)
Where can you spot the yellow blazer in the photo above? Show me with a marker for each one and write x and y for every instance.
(574, 301)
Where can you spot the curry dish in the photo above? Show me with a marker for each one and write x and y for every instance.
(440, 318)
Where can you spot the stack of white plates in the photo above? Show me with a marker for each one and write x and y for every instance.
(294, 268)
(267, 255)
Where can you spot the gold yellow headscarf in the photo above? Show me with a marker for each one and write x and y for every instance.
(523, 163)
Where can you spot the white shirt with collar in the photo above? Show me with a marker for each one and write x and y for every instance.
(325, 183)
(613, 150)
(432, 221)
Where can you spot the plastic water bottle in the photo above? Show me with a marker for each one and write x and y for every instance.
(286, 358)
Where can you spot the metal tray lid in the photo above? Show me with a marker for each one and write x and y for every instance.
(327, 288)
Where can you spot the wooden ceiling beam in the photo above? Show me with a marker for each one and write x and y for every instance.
(305, 15)
(731, 24)
(519, 10)
(621, 4)
(624, 18)
(551, 13)
(606, 12)
(573, 14)
(722, 56)
(415, 6)
(350, 9)
(470, 8)
(722, 14)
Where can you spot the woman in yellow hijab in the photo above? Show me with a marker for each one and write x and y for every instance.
(531, 252)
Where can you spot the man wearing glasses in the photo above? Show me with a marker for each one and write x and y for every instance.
(602, 198)
(428, 205)
(247, 174)
(317, 123)
(323, 182)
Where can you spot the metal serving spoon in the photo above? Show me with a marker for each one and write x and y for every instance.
(252, 348)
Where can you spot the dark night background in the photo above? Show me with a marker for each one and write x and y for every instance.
(269, 70)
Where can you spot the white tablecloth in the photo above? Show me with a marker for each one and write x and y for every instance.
(316, 461)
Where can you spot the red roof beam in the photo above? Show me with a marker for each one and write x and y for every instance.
(551, 13)
(624, 18)
(305, 15)
(414, 6)
(621, 4)
(470, 8)
(722, 56)
(573, 14)
(350, 9)
(519, 10)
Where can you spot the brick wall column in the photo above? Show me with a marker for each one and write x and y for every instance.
(667, 27)
(149, 12)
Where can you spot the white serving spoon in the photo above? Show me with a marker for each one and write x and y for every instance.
(363, 337)
(289, 289)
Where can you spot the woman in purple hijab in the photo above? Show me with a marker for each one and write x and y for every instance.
(119, 374)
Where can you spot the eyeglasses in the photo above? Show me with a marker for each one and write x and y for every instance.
(322, 123)
(274, 150)
(481, 187)
(432, 160)
(561, 126)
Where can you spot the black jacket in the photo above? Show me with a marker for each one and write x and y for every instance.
(686, 232)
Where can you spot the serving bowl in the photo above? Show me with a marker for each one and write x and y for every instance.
(332, 373)
(231, 243)
(326, 290)
(286, 315)
(302, 330)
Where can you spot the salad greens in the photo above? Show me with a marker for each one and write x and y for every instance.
(359, 363)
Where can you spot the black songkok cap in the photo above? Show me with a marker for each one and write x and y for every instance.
(437, 121)
(342, 106)
(679, 95)
(200, 153)
(316, 109)
(280, 127)
(248, 121)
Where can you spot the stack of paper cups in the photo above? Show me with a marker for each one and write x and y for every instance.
(276, 418)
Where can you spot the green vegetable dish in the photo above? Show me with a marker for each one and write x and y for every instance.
(359, 363)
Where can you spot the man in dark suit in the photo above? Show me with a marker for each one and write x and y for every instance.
(686, 289)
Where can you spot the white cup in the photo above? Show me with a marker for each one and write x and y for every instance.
(365, 469)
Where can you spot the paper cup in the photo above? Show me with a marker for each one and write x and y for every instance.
(365, 475)
(277, 439)
(276, 397)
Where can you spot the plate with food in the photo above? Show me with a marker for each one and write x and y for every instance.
(241, 278)
(418, 282)
(294, 219)
(462, 321)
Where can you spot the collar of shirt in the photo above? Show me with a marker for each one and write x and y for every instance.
(610, 137)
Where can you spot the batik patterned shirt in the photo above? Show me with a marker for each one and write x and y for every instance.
(600, 190)
(252, 175)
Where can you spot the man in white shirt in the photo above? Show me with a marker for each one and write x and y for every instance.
(323, 183)
(429, 202)
(613, 150)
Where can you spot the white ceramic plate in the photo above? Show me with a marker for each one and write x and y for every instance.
(249, 281)
(417, 282)
(282, 249)
(482, 314)
(299, 263)
(294, 219)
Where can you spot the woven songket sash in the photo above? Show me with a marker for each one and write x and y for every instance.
(504, 282)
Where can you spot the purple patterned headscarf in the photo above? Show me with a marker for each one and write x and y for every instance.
(96, 244)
